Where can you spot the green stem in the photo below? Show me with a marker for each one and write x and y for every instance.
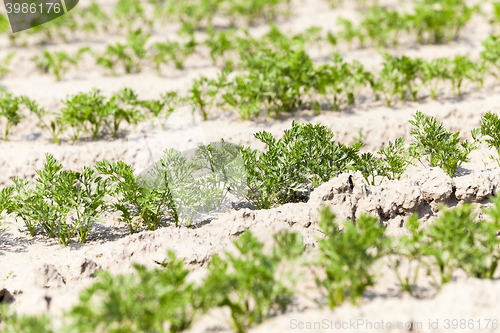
(7, 131)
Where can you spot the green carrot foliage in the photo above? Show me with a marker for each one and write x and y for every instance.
(10, 110)
(490, 126)
(348, 255)
(440, 147)
(248, 283)
(140, 302)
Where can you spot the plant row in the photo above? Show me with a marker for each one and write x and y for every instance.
(137, 53)
(431, 21)
(276, 74)
(225, 45)
(86, 113)
(282, 77)
(255, 285)
(67, 203)
(129, 14)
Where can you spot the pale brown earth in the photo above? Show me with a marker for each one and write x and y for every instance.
(47, 277)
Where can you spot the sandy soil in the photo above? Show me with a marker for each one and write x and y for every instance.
(39, 276)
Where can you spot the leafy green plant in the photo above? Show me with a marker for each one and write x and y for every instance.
(462, 68)
(162, 108)
(23, 199)
(40, 204)
(347, 256)
(280, 78)
(391, 164)
(489, 255)
(398, 76)
(487, 252)
(349, 32)
(5, 204)
(88, 199)
(490, 126)
(199, 181)
(194, 14)
(496, 10)
(114, 55)
(172, 100)
(394, 159)
(383, 26)
(13, 323)
(61, 197)
(155, 107)
(491, 52)
(244, 93)
(4, 23)
(85, 109)
(61, 202)
(136, 41)
(9, 109)
(388, 83)
(311, 36)
(203, 93)
(54, 128)
(61, 28)
(434, 72)
(226, 172)
(440, 147)
(165, 52)
(58, 62)
(93, 18)
(92, 111)
(457, 240)
(140, 302)
(370, 167)
(5, 63)
(220, 43)
(332, 39)
(129, 11)
(254, 10)
(137, 202)
(439, 21)
(412, 249)
(174, 172)
(130, 56)
(340, 80)
(305, 154)
(248, 283)
(411, 69)
(432, 21)
(123, 107)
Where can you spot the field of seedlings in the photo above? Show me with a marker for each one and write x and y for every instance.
(251, 166)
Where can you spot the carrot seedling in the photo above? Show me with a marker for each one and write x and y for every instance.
(5, 204)
(348, 256)
(440, 147)
(490, 126)
(241, 281)
(157, 296)
(9, 109)
(58, 62)
(5, 63)
(54, 128)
